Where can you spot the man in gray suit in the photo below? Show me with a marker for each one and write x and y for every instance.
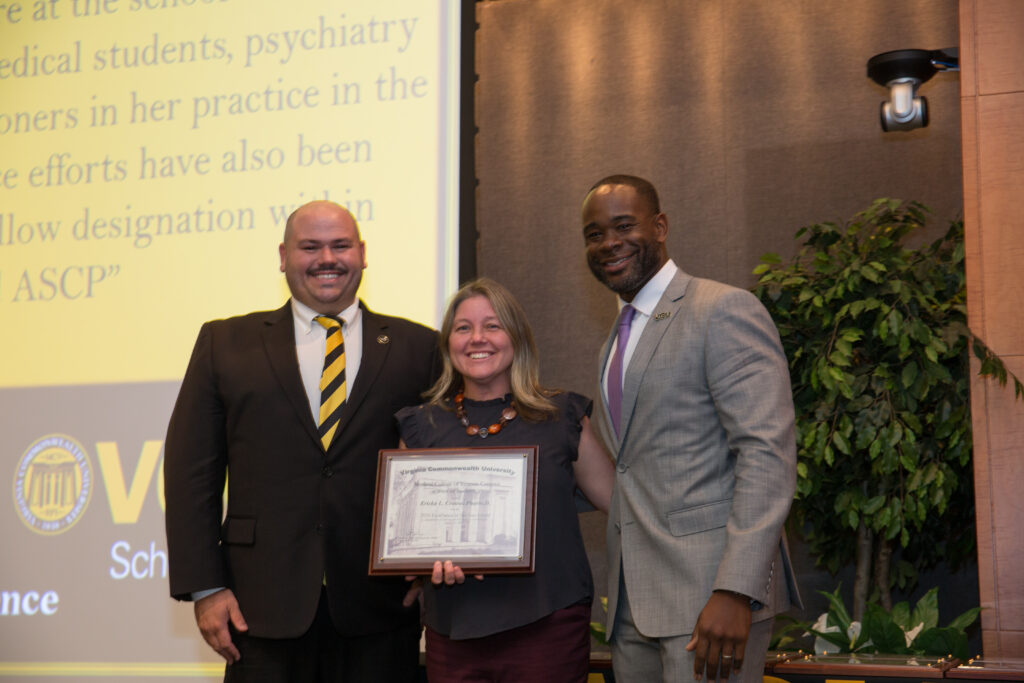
(699, 414)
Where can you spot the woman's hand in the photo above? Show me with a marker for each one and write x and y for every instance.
(449, 574)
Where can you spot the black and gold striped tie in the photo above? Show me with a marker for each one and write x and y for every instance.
(332, 380)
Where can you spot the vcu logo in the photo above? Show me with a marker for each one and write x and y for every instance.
(53, 484)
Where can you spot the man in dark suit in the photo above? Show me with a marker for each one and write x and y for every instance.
(280, 582)
(701, 427)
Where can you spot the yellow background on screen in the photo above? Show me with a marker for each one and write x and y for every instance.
(368, 124)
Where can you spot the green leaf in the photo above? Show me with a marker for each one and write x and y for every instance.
(911, 420)
(964, 620)
(895, 321)
(926, 611)
(873, 505)
(837, 357)
(866, 434)
(845, 390)
(904, 345)
(838, 616)
(841, 443)
(870, 274)
(901, 615)
(851, 334)
(885, 635)
(908, 461)
(895, 435)
(940, 642)
(909, 374)
(875, 448)
(840, 640)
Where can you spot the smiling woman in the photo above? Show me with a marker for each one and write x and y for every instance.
(480, 349)
(528, 627)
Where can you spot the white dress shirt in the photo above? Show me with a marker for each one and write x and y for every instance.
(644, 302)
(310, 342)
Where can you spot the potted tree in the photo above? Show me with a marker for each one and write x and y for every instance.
(877, 338)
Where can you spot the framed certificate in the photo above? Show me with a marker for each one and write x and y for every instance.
(474, 506)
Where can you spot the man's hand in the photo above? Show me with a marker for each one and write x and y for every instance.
(720, 636)
(212, 615)
(414, 593)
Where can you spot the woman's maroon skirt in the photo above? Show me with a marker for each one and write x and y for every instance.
(555, 649)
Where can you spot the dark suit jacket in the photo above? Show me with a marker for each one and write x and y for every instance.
(296, 514)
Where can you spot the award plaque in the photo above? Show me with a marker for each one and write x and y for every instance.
(474, 506)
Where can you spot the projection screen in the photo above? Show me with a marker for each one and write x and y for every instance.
(150, 151)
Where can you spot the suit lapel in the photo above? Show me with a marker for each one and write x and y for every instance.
(279, 343)
(604, 419)
(668, 308)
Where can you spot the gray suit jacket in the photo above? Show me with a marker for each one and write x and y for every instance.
(706, 462)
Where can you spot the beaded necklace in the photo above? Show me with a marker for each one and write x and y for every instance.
(507, 415)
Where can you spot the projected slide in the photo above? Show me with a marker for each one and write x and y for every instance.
(150, 151)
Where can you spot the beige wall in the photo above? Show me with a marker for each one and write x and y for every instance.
(992, 103)
(752, 117)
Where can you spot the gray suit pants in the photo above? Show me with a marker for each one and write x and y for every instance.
(637, 658)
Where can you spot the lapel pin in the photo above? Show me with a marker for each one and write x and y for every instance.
(661, 316)
(383, 339)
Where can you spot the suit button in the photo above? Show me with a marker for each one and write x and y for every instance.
(327, 472)
(319, 527)
(621, 467)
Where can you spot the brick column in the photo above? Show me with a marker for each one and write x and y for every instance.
(992, 110)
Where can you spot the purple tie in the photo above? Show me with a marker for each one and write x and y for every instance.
(615, 369)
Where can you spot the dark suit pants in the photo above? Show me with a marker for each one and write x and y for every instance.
(323, 655)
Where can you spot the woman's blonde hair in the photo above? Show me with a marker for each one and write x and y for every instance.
(530, 397)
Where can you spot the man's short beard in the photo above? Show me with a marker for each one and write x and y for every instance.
(645, 268)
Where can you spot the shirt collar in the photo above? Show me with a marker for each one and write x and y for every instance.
(650, 294)
(304, 315)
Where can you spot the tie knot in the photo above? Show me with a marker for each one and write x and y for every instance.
(329, 322)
